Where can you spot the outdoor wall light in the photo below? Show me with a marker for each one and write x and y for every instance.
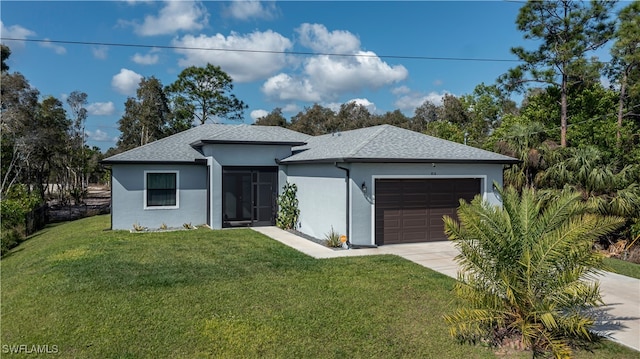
(364, 187)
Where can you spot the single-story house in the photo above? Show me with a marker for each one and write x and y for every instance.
(377, 185)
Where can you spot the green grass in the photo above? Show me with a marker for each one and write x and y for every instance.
(96, 293)
(623, 267)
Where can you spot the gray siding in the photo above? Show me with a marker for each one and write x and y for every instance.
(128, 197)
(363, 204)
(321, 197)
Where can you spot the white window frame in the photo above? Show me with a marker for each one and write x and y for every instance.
(144, 197)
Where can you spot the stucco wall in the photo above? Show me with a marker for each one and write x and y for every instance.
(128, 200)
(362, 215)
(237, 155)
(321, 197)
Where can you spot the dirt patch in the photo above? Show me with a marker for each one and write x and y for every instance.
(98, 201)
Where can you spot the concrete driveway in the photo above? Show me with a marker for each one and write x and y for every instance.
(618, 319)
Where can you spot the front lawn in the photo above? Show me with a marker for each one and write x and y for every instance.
(95, 293)
(623, 267)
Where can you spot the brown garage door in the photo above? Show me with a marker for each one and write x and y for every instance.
(411, 210)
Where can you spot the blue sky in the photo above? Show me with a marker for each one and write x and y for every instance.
(108, 74)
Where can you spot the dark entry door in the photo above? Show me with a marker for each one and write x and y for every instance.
(249, 196)
(411, 210)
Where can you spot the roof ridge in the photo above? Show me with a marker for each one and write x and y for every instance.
(368, 140)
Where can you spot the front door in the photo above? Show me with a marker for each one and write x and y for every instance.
(249, 196)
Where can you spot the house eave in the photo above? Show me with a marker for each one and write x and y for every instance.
(200, 143)
(197, 161)
(402, 160)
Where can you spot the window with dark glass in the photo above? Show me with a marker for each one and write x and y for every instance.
(161, 189)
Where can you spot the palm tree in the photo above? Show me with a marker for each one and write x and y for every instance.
(525, 271)
(523, 141)
(605, 189)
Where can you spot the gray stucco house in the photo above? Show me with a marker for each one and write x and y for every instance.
(378, 185)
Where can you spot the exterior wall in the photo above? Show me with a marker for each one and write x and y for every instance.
(128, 199)
(246, 155)
(321, 198)
(362, 217)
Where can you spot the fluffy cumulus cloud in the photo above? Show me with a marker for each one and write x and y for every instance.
(101, 108)
(98, 136)
(408, 100)
(364, 103)
(291, 108)
(242, 66)
(318, 38)
(284, 87)
(370, 106)
(56, 48)
(147, 59)
(324, 77)
(251, 9)
(174, 16)
(256, 114)
(126, 82)
(15, 32)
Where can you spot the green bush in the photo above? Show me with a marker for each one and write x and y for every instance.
(288, 211)
(15, 205)
(9, 239)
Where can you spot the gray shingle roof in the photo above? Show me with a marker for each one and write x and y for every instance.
(183, 146)
(383, 143)
(386, 143)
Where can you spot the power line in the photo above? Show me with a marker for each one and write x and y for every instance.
(304, 53)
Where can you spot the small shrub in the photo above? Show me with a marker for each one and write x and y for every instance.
(333, 238)
(163, 226)
(9, 239)
(187, 226)
(288, 211)
(138, 228)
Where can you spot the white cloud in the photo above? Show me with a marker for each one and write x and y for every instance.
(101, 108)
(56, 48)
(15, 32)
(335, 106)
(251, 9)
(333, 75)
(365, 103)
(241, 66)
(284, 87)
(318, 38)
(148, 59)
(256, 114)
(100, 52)
(126, 82)
(325, 77)
(99, 136)
(437, 82)
(291, 108)
(174, 16)
(410, 100)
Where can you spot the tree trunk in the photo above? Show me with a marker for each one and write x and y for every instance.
(623, 87)
(563, 111)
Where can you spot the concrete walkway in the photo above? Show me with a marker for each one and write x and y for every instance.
(618, 319)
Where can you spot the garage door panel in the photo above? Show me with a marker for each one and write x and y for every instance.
(409, 211)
